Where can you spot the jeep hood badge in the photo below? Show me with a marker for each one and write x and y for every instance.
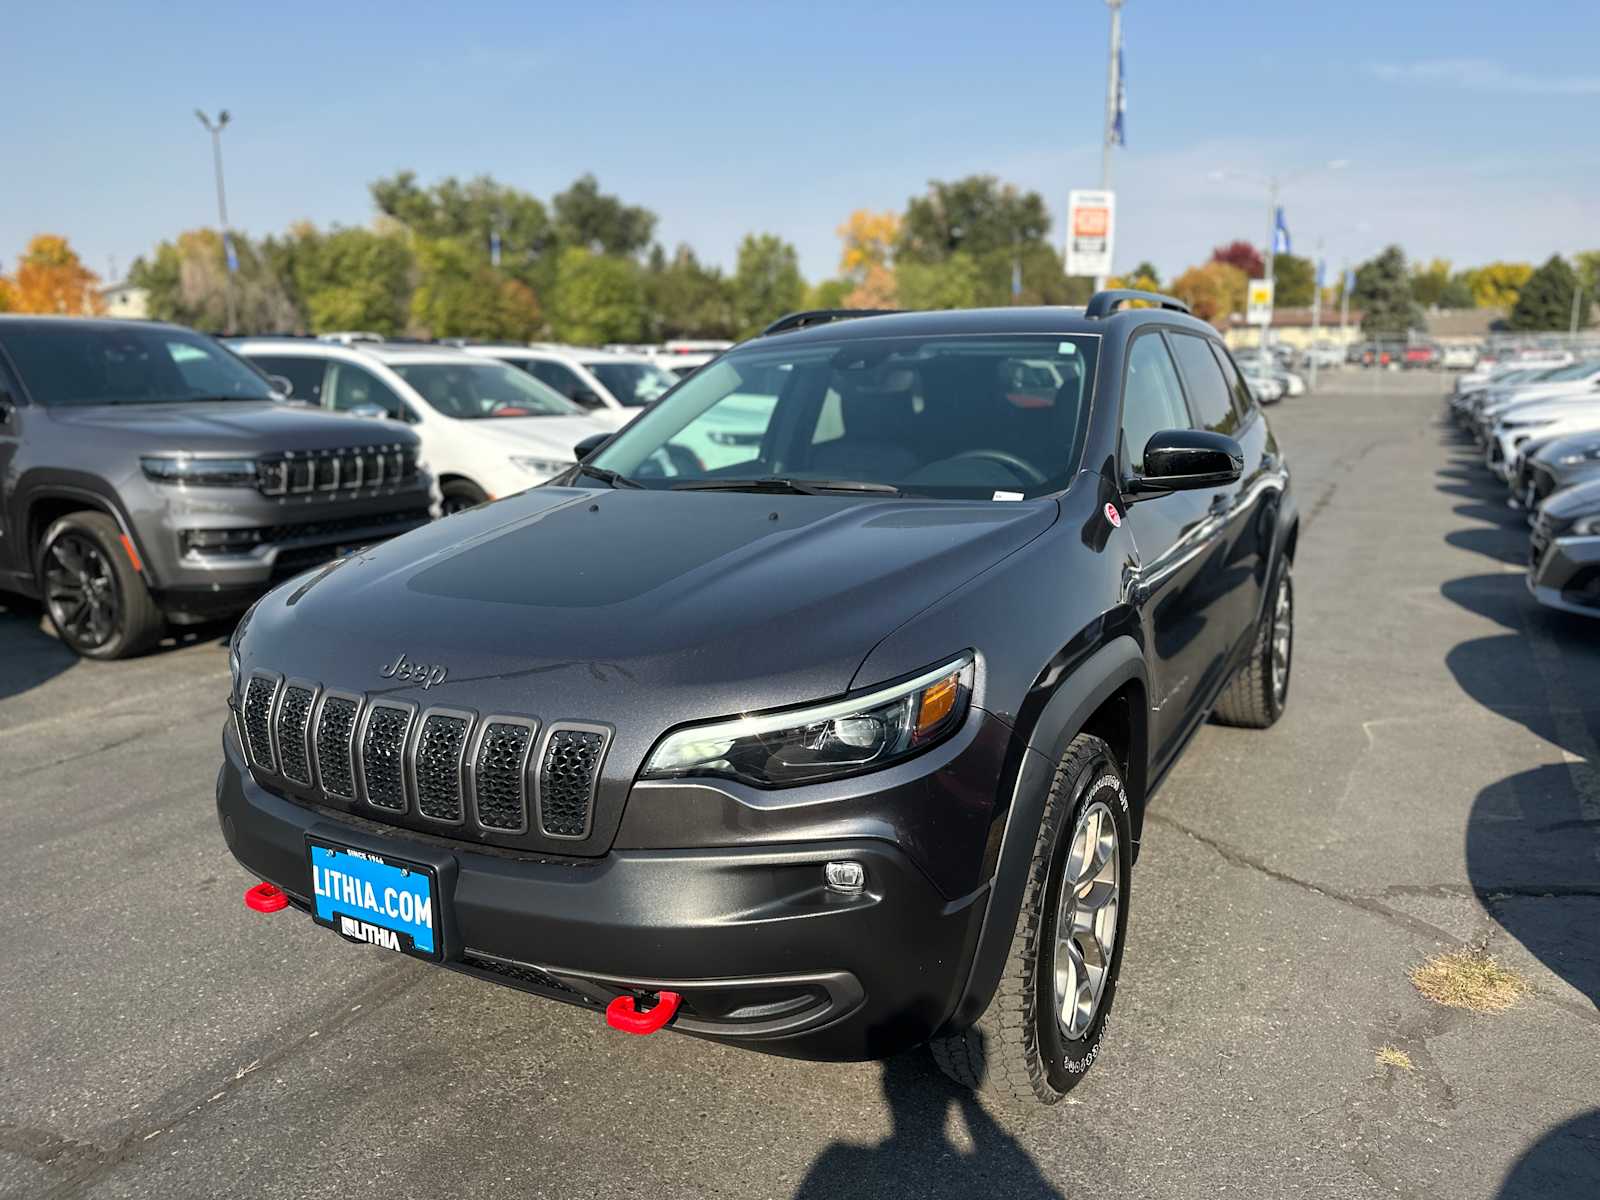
(425, 675)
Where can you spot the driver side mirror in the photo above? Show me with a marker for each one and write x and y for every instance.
(585, 398)
(281, 385)
(1178, 460)
(590, 444)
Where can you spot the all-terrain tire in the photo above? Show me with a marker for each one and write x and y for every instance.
(1017, 1052)
(1255, 697)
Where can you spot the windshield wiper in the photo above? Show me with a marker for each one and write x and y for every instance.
(608, 477)
(800, 487)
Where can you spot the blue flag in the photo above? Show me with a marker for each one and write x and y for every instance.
(1016, 279)
(1349, 279)
(230, 254)
(494, 247)
(1280, 235)
(1119, 133)
(1322, 274)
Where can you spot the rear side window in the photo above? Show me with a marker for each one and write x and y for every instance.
(355, 390)
(304, 374)
(1208, 390)
(1243, 400)
(1152, 400)
(564, 381)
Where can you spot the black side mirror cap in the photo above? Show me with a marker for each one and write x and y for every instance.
(590, 444)
(1177, 460)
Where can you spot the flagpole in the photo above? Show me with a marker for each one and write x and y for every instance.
(1316, 311)
(1113, 84)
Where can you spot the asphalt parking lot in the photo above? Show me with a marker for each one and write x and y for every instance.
(1435, 784)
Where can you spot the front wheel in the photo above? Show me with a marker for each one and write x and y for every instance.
(97, 602)
(460, 495)
(1043, 1028)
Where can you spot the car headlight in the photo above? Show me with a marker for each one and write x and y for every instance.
(542, 467)
(199, 472)
(822, 741)
(1587, 454)
(1587, 526)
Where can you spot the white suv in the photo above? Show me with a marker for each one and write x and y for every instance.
(487, 429)
(612, 388)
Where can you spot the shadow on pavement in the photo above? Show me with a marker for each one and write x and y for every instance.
(28, 656)
(1563, 1163)
(918, 1157)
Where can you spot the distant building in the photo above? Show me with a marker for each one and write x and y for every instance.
(1292, 327)
(125, 300)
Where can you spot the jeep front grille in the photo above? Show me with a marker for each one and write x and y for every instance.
(383, 745)
(567, 779)
(506, 776)
(437, 765)
(347, 469)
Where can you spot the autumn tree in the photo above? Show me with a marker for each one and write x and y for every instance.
(1146, 270)
(1213, 291)
(766, 282)
(50, 278)
(1244, 256)
(869, 241)
(1545, 301)
(1496, 284)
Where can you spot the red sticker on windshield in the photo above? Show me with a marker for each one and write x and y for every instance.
(1113, 516)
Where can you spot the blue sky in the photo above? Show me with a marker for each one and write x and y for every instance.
(1471, 127)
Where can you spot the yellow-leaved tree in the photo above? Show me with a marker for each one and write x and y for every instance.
(867, 260)
(50, 278)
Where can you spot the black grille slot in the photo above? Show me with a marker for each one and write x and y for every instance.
(497, 776)
(523, 975)
(293, 716)
(382, 757)
(334, 727)
(567, 780)
(258, 720)
(438, 767)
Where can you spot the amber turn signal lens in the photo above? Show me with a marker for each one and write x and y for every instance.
(938, 702)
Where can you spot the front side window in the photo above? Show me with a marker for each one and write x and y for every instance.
(1152, 399)
(1243, 400)
(1208, 390)
(946, 416)
(72, 364)
(355, 390)
(470, 391)
(634, 384)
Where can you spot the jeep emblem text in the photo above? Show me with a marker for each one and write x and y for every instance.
(425, 675)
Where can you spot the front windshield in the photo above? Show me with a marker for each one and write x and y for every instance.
(982, 417)
(634, 384)
(1578, 370)
(71, 364)
(473, 390)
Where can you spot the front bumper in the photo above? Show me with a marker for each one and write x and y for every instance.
(764, 955)
(1564, 572)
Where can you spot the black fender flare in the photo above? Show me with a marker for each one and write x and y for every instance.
(94, 492)
(1066, 712)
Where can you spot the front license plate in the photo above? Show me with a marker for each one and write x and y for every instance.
(373, 898)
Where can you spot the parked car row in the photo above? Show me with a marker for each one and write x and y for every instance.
(1539, 429)
(153, 476)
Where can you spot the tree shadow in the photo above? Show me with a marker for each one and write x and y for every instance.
(1563, 1163)
(918, 1157)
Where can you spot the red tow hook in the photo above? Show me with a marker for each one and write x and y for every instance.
(621, 1013)
(265, 898)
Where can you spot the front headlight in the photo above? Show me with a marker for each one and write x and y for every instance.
(823, 741)
(1587, 454)
(544, 468)
(1587, 526)
(199, 472)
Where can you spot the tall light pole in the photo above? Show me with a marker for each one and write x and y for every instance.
(1108, 135)
(215, 130)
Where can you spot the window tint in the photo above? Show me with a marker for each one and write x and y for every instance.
(1243, 400)
(65, 363)
(352, 388)
(472, 390)
(563, 380)
(304, 374)
(634, 384)
(1208, 390)
(1151, 398)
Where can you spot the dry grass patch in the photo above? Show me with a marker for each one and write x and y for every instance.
(1469, 978)
(1393, 1056)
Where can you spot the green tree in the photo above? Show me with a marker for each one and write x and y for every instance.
(686, 298)
(346, 278)
(473, 214)
(188, 281)
(590, 219)
(1457, 292)
(1146, 270)
(1383, 293)
(599, 298)
(978, 215)
(766, 282)
(830, 293)
(955, 282)
(1295, 281)
(1545, 301)
(1428, 283)
(459, 295)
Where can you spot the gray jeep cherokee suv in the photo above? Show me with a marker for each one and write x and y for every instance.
(149, 475)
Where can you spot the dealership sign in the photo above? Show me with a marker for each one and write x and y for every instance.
(1091, 220)
(1258, 306)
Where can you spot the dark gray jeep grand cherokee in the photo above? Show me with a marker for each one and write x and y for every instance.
(816, 712)
(148, 475)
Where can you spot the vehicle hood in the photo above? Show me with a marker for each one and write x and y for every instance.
(1584, 440)
(1549, 409)
(1579, 500)
(642, 609)
(556, 436)
(228, 426)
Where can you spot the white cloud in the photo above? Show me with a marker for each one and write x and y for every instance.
(1484, 75)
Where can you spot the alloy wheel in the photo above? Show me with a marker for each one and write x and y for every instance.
(1282, 639)
(1086, 920)
(81, 591)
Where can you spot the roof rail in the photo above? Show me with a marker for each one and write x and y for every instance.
(822, 316)
(1103, 304)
